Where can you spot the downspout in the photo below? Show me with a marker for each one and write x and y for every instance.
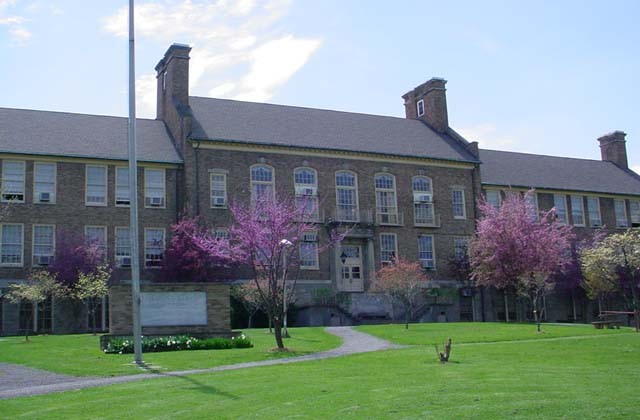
(197, 177)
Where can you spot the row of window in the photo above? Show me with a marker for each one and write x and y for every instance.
(426, 249)
(44, 243)
(262, 180)
(96, 185)
(593, 214)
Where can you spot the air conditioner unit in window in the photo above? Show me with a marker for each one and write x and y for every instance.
(44, 197)
(424, 198)
(43, 259)
(219, 201)
(156, 201)
(124, 261)
(427, 264)
(310, 237)
(308, 191)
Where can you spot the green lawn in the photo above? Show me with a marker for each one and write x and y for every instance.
(80, 354)
(593, 377)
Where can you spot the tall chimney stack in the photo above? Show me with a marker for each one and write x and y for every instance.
(428, 103)
(613, 148)
(172, 73)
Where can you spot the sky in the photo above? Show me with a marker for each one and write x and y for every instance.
(541, 77)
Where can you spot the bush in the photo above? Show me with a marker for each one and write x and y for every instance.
(179, 342)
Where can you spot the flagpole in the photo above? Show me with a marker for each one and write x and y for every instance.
(133, 191)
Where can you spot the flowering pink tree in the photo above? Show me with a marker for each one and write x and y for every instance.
(272, 236)
(516, 248)
(74, 256)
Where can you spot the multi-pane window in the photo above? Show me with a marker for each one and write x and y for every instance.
(221, 233)
(44, 182)
(346, 197)
(422, 201)
(531, 199)
(388, 248)
(457, 200)
(154, 187)
(420, 107)
(11, 242)
(96, 189)
(123, 247)
(634, 207)
(306, 190)
(621, 213)
(560, 204)
(123, 192)
(386, 203)
(309, 251)
(262, 183)
(494, 198)
(218, 189)
(43, 244)
(593, 206)
(13, 180)
(153, 247)
(577, 210)
(460, 247)
(96, 236)
(425, 252)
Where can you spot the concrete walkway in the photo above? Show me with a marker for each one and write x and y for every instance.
(19, 381)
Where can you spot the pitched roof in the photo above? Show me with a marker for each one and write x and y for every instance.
(79, 135)
(552, 172)
(250, 122)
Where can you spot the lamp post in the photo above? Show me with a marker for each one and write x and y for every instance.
(285, 243)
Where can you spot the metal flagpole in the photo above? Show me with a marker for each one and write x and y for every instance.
(133, 191)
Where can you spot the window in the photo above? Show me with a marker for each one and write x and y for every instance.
(388, 248)
(621, 213)
(13, 180)
(593, 206)
(560, 204)
(261, 183)
(306, 190)
(123, 193)
(420, 107)
(44, 182)
(221, 233)
(347, 197)
(43, 244)
(577, 210)
(457, 199)
(494, 198)
(96, 236)
(309, 251)
(425, 252)
(154, 186)
(153, 247)
(634, 206)
(96, 189)
(11, 243)
(123, 247)
(423, 201)
(532, 204)
(218, 189)
(460, 248)
(386, 203)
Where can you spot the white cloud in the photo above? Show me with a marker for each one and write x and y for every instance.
(14, 24)
(636, 169)
(238, 50)
(19, 34)
(488, 137)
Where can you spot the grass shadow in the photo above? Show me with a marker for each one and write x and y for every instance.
(197, 385)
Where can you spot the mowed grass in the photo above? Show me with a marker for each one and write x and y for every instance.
(80, 355)
(592, 377)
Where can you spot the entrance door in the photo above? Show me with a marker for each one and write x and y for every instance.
(352, 268)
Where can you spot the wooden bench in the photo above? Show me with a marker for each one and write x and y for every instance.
(610, 324)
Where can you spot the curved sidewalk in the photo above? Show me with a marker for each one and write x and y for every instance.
(353, 342)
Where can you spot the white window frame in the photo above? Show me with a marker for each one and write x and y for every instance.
(164, 247)
(634, 210)
(86, 186)
(36, 192)
(498, 194)
(433, 253)
(18, 264)
(626, 216)
(419, 107)
(298, 187)
(120, 168)
(33, 244)
(223, 174)
(147, 197)
(560, 220)
(253, 182)
(301, 244)
(573, 219)
(392, 216)
(453, 203)
(117, 254)
(106, 236)
(426, 206)
(4, 177)
(354, 188)
(384, 261)
(597, 203)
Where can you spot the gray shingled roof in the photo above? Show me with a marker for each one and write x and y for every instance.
(552, 172)
(79, 135)
(250, 122)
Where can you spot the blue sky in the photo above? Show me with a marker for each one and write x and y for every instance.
(540, 77)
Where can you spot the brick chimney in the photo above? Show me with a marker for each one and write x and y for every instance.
(613, 148)
(428, 103)
(172, 73)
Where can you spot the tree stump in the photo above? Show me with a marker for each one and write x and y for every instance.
(444, 356)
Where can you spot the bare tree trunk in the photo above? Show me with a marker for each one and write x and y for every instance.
(573, 305)
(270, 324)
(250, 320)
(506, 305)
(277, 328)
(406, 318)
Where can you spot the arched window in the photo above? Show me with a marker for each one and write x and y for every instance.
(423, 201)
(386, 202)
(347, 197)
(306, 190)
(261, 182)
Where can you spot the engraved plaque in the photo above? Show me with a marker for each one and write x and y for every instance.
(159, 309)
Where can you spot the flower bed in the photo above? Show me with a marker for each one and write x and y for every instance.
(179, 342)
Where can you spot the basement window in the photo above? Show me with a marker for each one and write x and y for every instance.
(420, 107)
